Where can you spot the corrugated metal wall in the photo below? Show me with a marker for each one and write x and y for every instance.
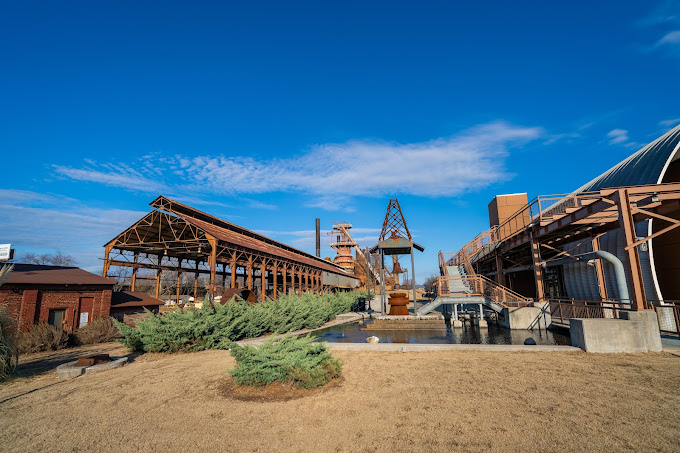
(580, 280)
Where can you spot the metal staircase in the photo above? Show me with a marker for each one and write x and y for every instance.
(460, 285)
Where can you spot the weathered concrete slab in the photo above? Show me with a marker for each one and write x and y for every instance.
(650, 324)
(68, 370)
(526, 318)
(608, 335)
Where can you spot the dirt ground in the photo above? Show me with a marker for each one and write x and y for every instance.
(415, 401)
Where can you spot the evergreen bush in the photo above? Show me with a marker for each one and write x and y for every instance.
(216, 326)
(299, 361)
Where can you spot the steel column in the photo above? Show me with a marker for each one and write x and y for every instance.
(275, 279)
(232, 266)
(213, 264)
(599, 268)
(133, 280)
(538, 269)
(263, 279)
(158, 276)
(632, 254)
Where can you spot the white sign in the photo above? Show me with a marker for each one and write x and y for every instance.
(5, 250)
(83, 319)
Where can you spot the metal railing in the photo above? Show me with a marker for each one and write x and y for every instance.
(668, 315)
(561, 310)
(480, 286)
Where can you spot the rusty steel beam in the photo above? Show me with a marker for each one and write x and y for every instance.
(632, 254)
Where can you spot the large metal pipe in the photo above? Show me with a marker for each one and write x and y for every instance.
(619, 270)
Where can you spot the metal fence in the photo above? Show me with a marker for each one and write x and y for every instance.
(667, 311)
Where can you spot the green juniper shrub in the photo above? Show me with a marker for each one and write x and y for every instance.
(216, 326)
(299, 361)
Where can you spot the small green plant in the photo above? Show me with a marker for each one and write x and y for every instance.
(42, 337)
(9, 354)
(299, 361)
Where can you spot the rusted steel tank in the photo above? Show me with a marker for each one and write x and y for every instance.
(398, 304)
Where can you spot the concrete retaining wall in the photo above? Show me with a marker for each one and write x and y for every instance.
(526, 317)
(650, 323)
(608, 335)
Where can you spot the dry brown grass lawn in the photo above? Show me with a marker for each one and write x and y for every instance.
(419, 401)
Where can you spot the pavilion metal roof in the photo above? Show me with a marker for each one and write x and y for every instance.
(646, 166)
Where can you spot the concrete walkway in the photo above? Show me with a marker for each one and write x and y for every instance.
(447, 347)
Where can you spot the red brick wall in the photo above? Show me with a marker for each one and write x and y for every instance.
(30, 304)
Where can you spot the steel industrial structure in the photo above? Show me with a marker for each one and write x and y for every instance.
(395, 239)
(551, 249)
(178, 238)
(343, 243)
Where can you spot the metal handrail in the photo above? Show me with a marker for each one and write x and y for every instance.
(478, 285)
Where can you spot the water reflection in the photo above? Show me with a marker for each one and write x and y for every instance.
(355, 333)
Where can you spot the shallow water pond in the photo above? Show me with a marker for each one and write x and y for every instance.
(356, 333)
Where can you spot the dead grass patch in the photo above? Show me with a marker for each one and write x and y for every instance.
(274, 392)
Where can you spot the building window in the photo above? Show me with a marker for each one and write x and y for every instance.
(57, 318)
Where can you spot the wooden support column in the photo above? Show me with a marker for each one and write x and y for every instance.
(133, 281)
(599, 268)
(538, 269)
(232, 266)
(284, 275)
(263, 271)
(224, 277)
(158, 276)
(275, 282)
(213, 263)
(632, 254)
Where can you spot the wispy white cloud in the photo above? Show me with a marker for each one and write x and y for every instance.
(667, 11)
(620, 137)
(670, 122)
(332, 173)
(45, 223)
(669, 39)
(306, 239)
(617, 136)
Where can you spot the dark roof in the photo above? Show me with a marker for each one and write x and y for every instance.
(54, 275)
(243, 293)
(121, 299)
(229, 232)
(645, 167)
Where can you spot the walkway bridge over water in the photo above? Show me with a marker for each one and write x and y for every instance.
(543, 231)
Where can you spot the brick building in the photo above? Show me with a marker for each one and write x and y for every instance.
(62, 296)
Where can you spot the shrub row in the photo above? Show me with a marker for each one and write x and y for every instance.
(45, 337)
(217, 326)
(297, 360)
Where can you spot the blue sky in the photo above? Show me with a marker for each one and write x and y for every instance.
(270, 114)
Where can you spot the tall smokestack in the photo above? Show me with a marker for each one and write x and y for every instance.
(318, 238)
